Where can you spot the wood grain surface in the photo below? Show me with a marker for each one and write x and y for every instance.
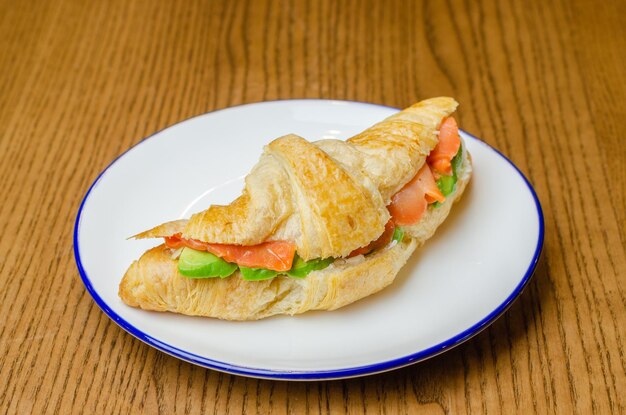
(542, 81)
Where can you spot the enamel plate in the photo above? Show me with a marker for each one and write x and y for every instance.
(453, 287)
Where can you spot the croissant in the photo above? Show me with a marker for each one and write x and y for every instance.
(329, 199)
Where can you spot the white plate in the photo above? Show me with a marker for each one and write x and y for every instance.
(466, 276)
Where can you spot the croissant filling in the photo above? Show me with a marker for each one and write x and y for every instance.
(430, 187)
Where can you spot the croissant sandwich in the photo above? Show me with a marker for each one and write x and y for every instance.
(318, 225)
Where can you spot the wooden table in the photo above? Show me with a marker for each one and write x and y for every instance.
(542, 81)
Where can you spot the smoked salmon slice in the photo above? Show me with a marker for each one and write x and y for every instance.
(449, 142)
(426, 181)
(274, 255)
(381, 242)
(409, 204)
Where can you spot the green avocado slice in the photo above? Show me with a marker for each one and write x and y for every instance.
(302, 268)
(446, 184)
(257, 274)
(398, 234)
(457, 161)
(299, 269)
(201, 264)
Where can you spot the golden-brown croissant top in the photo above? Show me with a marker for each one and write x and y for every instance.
(329, 196)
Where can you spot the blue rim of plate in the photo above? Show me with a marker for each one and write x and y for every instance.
(323, 374)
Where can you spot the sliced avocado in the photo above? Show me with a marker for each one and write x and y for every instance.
(446, 184)
(457, 161)
(398, 234)
(302, 268)
(201, 264)
(299, 269)
(257, 274)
